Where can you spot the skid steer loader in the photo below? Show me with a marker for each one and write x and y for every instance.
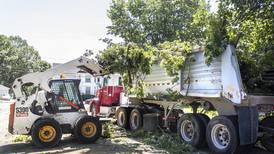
(46, 108)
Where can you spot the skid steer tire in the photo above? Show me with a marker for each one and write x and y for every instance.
(46, 133)
(122, 117)
(87, 129)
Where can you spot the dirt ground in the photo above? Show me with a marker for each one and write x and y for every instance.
(120, 144)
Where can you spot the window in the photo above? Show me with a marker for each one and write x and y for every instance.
(87, 90)
(67, 90)
(87, 79)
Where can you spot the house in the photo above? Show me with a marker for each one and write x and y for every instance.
(4, 92)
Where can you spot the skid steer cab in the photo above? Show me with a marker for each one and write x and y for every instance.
(46, 111)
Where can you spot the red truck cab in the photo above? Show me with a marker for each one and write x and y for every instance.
(106, 100)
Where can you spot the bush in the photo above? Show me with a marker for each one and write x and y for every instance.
(108, 130)
(172, 144)
(22, 138)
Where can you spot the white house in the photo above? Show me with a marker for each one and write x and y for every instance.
(89, 84)
(4, 92)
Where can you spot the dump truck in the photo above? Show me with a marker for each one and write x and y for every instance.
(215, 87)
(45, 108)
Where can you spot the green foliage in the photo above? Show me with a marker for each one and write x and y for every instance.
(168, 142)
(137, 134)
(249, 26)
(172, 56)
(132, 61)
(157, 21)
(22, 138)
(18, 58)
(108, 130)
(161, 29)
(172, 144)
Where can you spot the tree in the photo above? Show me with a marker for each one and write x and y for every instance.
(131, 61)
(164, 30)
(18, 58)
(157, 21)
(249, 26)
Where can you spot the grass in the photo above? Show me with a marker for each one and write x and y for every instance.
(108, 130)
(22, 138)
(170, 143)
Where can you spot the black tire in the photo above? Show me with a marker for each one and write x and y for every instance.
(46, 133)
(268, 140)
(135, 120)
(194, 135)
(204, 118)
(87, 129)
(217, 132)
(122, 116)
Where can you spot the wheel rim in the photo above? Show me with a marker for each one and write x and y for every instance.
(187, 130)
(135, 121)
(121, 118)
(88, 129)
(47, 133)
(220, 136)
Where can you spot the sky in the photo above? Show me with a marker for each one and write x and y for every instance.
(61, 30)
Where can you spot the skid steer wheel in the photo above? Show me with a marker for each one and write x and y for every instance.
(87, 129)
(122, 117)
(192, 130)
(135, 120)
(46, 133)
(268, 139)
(221, 135)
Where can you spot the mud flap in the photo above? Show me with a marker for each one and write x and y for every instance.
(248, 124)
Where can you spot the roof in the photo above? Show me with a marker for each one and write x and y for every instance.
(4, 87)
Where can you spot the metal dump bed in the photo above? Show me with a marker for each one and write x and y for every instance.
(221, 78)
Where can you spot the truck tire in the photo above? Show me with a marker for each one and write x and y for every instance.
(191, 130)
(268, 140)
(46, 133)
(222, 136)
(87, 129)
(122, 117)
(135, 120)
(204, 118)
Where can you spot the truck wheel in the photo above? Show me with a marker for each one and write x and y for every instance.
(135, 120)
(192, 130)
(46, 133)
(204, 118)
(222, 136)
(122, 117)
(268, 139)
(87, 129)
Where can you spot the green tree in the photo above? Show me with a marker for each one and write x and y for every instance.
(165, 29)
(18, 58)
(249, 26)
(157, 21)
(131, 61)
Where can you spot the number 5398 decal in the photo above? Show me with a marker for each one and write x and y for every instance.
(22, 111)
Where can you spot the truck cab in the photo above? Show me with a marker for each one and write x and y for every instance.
(107, 97)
